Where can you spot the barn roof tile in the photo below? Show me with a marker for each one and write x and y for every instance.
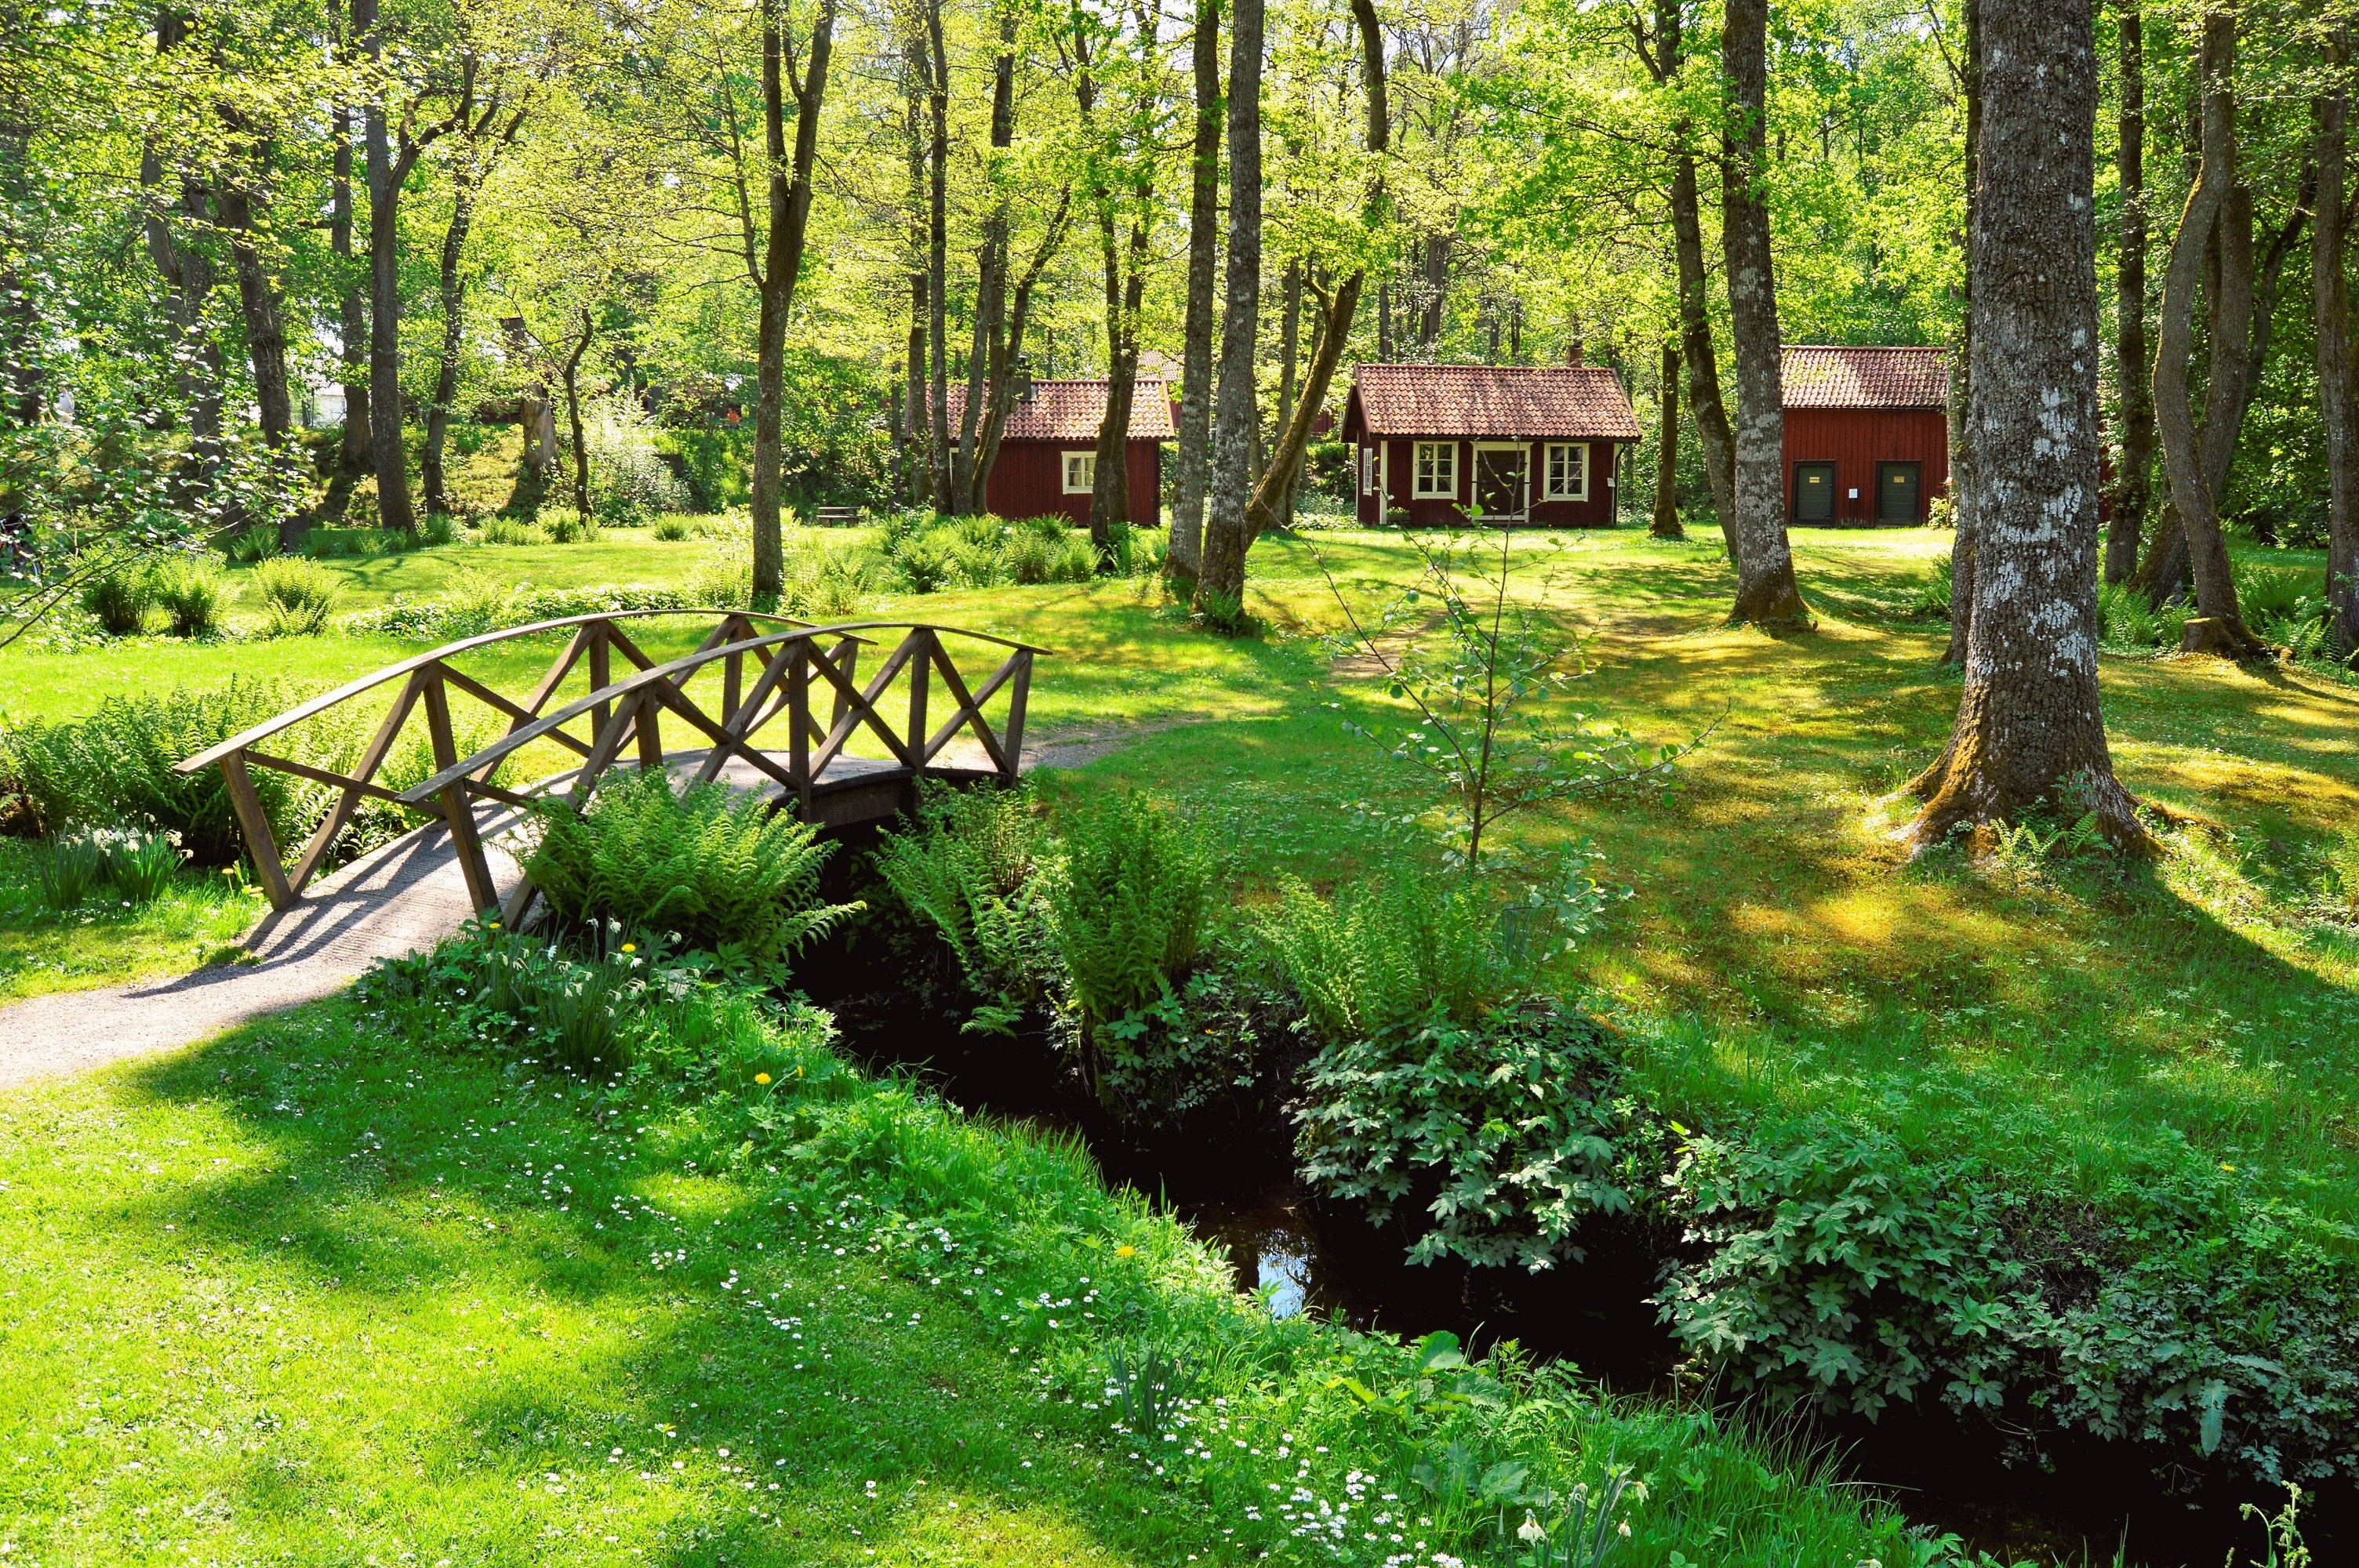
(1817, 375)
(1072, 411)
(1504, 401)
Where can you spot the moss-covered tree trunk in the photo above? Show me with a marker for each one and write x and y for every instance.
(2028, 727)
(1666, 523)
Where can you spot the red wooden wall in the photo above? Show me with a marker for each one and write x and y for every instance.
(1029, 480)
(1597, 512)
(1855, 440)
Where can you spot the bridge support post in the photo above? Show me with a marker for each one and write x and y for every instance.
(255, 823)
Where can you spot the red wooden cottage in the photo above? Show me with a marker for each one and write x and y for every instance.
(1047, 454)
(1867, 433)
(1527, 444)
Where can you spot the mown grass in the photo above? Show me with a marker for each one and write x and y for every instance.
(200, 920)
(1779, 954)
(313, 1293)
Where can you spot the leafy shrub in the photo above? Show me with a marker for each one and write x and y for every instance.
(2175, 1308)
(512, 531)
(672, 528)
(970, 869)
(478, 602)
(716, 865)
(627, 472)
(927, 562)
(571, 528)
(825, 582)
(192, 595)
(1389, 955)
(2341, 882)
(1131, 908)
(1044, 550)
(2126, 623)
(70, 871)
(1508, 1132)
(1933, 601)
(1199, 1046)
(506, 989)
(120, 601)
(257, 543)
(296, 595)
(1137, 552)
(141, 866)
(114, 769)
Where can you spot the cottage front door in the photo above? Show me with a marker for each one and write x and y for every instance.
(1502, 480)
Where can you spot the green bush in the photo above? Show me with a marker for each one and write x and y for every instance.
(1933, 601)
(970, 869)
(672, 528)
(2175, 1308)
(249, 545)
(716, 865)
(140, 866)
(569, 528)
(296, 595)
(2126, 623)
(69, 871)
(521, 995)
(927, 562)
(1131, 908)
(120, 601)
(511, 531)
(1506, 1134)
(192, 595)
(114, 769)
(1390, 955)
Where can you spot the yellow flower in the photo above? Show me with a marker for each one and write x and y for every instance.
(630, 947)
(1125, 1251)
(2227, 1167)
(761, 1078)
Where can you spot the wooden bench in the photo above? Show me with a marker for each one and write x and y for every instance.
(836, 516)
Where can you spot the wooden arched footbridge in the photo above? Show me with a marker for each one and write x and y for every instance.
(768, 703)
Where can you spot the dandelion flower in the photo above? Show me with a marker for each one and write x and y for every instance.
(630, 947)
(761, 1078)
(1125, 1251)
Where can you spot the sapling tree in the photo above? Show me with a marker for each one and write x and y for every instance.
(1479, 670)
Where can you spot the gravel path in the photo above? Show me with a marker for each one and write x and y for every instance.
(400, 898)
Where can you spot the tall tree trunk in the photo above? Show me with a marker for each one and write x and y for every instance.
(1384, 323)
(2338, 391)
(240, 197)
(1204, 256)
(2133, 359)
(789, 203)
(991, 280)
(2029, 729)
(357, 453)
(187, 273)
(1221, 578)
(937, 320)
(1289, 352)
(1433, 292)
(1962, 377)
(573, 414)
(454, 324)
(1003, 367)
(1766, 590)
(1110, 490)
(914, 77)
(1337, 311)
(2268, 281)
(2217, 202)
(1710, 414)
(1666, 525)
(388, 170)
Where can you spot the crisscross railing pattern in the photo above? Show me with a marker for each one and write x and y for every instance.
(797, 672)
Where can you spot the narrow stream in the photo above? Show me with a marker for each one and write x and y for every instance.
(2075, 1503)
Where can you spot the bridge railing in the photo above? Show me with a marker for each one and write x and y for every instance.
(797, 672)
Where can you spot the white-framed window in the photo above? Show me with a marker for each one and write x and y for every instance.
(1437, 468)
(1080, 473)
(1567, 478)
(1367, 470)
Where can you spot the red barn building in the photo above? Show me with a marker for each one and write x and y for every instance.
(1867, 433)
(1527, 444)
(1047, 454)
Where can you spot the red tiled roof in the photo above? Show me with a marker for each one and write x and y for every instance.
(1504, 402)
(1072, 411)
(1822, 377)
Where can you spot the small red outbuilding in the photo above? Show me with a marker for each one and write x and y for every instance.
(1530, 444)
(1047, 454)
(1867, 433)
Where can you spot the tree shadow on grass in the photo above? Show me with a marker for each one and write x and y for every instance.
(471, 1355)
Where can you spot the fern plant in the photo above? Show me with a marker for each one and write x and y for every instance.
(712, 864)
(1131, 907)
(972, 870)
(1389, 954)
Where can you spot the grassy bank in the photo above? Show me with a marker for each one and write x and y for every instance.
(342, 1286)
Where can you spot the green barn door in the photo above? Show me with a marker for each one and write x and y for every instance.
(1896, 487)
(1814, 492)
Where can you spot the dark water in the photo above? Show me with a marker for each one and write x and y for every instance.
(2070, 1502)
